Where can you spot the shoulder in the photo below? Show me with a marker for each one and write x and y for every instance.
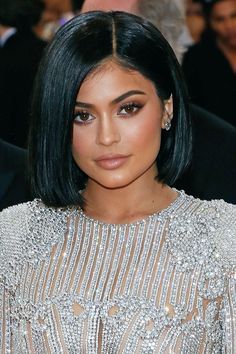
(31, 41)
(197, 54)
(204, 231)
(193, 50)
(224, 231)
(27, 230)
(220, 220)
(13, 225)
(12, 153)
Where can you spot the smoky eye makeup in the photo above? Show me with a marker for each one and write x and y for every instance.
(83, 111)
(129, 108)
(82, 116)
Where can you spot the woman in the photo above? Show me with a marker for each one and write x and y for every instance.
(110, 259)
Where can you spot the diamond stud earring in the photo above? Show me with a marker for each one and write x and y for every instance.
(168, 124)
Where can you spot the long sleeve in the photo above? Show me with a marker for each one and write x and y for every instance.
(226, 249)
(12, 224)
(27, 232)
(5, 311)
(5, 321)
(228, 314)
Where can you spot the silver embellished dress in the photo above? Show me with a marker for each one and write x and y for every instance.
(165, 284)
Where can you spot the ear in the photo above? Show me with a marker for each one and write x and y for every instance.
(167, 112)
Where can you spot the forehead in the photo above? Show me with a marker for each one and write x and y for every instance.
(107, 5)
(112, 77)
(224, 8)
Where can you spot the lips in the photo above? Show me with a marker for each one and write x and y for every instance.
(111, 162)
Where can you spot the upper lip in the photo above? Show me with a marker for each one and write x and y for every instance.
(110, 157)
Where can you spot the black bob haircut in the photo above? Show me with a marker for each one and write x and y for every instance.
(79, 47)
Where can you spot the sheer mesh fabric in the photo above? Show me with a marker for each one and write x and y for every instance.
(71, 284)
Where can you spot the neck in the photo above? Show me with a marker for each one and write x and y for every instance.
(129, 203)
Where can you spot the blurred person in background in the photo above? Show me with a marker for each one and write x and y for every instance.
(55, 14)
(212, 173)
(210, 65)
(20, 53)
(48, 23)
(22, 22)
(195, 19)
(14, 188)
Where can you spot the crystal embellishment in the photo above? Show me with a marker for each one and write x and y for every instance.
(165, 284)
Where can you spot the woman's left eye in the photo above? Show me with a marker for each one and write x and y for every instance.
(129, 109)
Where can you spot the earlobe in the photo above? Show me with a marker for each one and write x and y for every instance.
(167, 113)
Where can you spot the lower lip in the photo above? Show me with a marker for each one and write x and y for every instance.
(111, 164)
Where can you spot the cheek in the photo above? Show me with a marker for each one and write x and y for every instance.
(147, 134)
(80, 144)
(218, 28)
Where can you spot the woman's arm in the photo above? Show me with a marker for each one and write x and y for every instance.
(228, 316)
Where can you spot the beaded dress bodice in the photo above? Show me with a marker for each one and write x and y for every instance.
(165, 284)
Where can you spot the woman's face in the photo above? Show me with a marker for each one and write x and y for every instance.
(117, 126)
(223, 21)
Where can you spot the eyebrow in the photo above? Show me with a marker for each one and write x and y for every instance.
(116, 100)
(128, 94)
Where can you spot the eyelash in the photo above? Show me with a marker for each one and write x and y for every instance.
(80, 113)
(134, 105)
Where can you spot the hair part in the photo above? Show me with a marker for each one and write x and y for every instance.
(78, 48)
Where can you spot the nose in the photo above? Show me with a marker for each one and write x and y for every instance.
(108, 132)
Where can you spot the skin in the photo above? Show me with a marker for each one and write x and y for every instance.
(223, 23)
(195, 19)
(4, 29)
(106, 5)
(116, 139)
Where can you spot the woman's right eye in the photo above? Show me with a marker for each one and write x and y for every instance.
(83, 117)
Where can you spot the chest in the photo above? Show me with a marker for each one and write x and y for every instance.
(117, 290)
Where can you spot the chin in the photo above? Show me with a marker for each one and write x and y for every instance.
(112, 183)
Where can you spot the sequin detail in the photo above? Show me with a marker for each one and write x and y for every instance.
(165, 284)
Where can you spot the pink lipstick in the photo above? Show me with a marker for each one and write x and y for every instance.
(111, 162)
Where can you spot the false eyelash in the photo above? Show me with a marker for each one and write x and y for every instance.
(130, 104)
